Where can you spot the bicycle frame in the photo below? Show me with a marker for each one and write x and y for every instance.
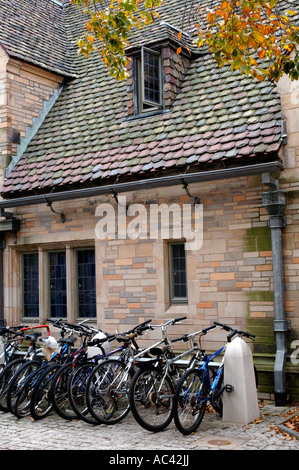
(103, 356)
(133, 356)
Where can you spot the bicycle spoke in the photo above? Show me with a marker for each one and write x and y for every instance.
(190, 401)
(151, 399)
(107, 392)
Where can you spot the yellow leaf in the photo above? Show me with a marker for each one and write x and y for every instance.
(179, 50)
(180, 35)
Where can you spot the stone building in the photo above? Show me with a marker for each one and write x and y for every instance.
(82, 153)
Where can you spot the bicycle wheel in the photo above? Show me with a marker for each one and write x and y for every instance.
(59, 394)
(77, 392)
(17, 381)
(23, 399)
(151, 399)
(189, 401)
(40, 403)
(5, 377)
(107, 392)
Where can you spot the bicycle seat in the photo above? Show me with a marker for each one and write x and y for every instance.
(32, 337)
(70, 341)
(159, 350)
(124, 338)
(145, 362)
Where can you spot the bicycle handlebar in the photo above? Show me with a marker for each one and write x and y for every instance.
(84, 330)
(97, 341)
(12, 330)
(169, 322)
(142, 325)
(234, 331)
(187, 336)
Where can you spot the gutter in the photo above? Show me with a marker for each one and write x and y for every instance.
(184, 178)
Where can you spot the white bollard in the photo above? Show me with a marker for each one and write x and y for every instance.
(241, 405)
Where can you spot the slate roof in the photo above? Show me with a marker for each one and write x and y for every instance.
(35, 31)
(218, 119)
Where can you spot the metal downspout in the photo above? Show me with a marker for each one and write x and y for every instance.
(281, 326)
(274, 202)
(2, 246)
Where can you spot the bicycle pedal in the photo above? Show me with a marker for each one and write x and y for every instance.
(229, 388)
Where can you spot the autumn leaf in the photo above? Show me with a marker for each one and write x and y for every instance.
(263, 38)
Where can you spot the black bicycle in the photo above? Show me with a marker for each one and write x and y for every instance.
(108, 384)
(28, 376)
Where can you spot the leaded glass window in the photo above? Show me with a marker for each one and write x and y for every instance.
(86, 283)
(30, 285)
(57, 278)
(178, 273)
(150, 81)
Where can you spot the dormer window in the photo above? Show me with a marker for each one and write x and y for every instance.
(149, 80)
(155, 75)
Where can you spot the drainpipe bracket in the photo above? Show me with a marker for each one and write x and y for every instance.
(268, 180)
(281, 326)
(277, 221)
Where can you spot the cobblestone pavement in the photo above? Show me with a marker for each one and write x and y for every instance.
(54, 433)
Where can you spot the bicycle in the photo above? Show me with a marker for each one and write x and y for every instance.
(28, 376)
(196, 389)
(10, 338)
(79, 377)
(8, 373)
(24, 370)
(40, 403)
(108, 384)
(153, 386)
(59, 391)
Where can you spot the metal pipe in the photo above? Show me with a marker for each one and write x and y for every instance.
(2, 246)
(274, 202)
(281, 325)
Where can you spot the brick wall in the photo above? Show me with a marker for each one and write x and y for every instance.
(230, 278)
(23, 91)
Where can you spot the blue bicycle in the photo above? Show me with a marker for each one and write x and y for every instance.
(201, 385)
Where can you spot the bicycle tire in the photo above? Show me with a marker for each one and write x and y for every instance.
(17, 380)
(151, 399)
(188, 411)
(59, 393)
(40, 403)
(22, 404)
(5, 377)
(77, 392)
(107, 403)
